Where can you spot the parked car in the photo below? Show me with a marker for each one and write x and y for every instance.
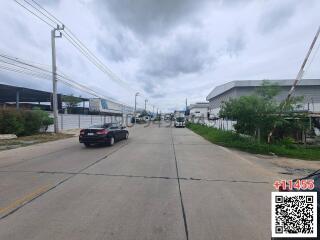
(180, 122)
(108, 133)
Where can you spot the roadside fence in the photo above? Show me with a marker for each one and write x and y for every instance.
(73, 121)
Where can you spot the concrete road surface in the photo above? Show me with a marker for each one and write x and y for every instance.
(161, 183)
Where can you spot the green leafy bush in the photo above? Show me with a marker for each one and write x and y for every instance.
(22, 122)
(258, 114)
(11, 121)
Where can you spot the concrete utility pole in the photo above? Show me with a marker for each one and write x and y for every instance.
(54, 76)
(145, 104)
(135, 106)
(153, 109)
(298, 78)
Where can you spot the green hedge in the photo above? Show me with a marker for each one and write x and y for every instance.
(248, 144)
(23, 122)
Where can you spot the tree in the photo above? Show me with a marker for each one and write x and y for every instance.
(71, 102)
(257, 114)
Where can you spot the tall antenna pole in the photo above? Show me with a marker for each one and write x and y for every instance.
(298, 78)
(54, 76)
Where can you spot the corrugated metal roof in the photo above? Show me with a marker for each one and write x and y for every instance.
(256, 83)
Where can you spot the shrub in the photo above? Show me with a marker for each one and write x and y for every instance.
(11, 122)
(45, 119)
(22, 122)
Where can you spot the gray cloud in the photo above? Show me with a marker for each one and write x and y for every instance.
(149, 17)
(185, 55)
(235, 44)
(117, 48)
(276, 17)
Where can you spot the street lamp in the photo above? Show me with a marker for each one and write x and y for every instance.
(135, 106)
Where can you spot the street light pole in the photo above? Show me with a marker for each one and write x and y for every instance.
(145, 104)
(135, 106)
(54, 76)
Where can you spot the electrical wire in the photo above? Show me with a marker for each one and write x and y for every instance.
(76, 42)
(38, 72)
(34, 14)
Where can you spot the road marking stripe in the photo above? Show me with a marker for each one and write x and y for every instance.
(25, 199)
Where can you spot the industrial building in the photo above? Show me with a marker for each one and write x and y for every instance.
(27, 98)
(308, 88)
(199, 109)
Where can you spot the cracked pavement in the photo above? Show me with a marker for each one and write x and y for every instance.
(162, 183)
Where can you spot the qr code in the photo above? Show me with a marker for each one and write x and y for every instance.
(294, 214)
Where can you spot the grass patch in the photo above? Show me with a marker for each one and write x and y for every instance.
(247, 144)
(33, 139)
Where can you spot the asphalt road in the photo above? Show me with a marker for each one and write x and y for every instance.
(161, 183)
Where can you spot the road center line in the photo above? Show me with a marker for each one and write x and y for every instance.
(181, 199)
(25, 199)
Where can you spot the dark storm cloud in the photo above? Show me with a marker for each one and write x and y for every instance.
(148, 17)
(276, 17)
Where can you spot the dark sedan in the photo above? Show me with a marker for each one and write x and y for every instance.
(108, 133)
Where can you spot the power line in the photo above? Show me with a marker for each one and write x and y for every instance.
(31, 5)
(44, 73)
(33, 13)
(76, 42)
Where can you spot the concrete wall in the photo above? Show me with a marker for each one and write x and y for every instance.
(199, 112)
(73, 121)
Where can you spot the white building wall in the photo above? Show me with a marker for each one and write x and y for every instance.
(199, 112)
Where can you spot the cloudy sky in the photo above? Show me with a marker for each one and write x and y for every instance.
(166, 50)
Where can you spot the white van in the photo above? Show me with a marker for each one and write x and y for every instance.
(180, 122)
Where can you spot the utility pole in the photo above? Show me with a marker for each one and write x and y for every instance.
(145, 104)
(54, 76)
(298, 78)
(153, 110)
(135, 106)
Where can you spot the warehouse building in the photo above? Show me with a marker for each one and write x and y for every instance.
(199, 109)
(308, 88)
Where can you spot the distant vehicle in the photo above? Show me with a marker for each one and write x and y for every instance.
(180, 122)
(107, 134)
(167, 117)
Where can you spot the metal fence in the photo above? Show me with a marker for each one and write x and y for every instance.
(73, 121)
(221, 124)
